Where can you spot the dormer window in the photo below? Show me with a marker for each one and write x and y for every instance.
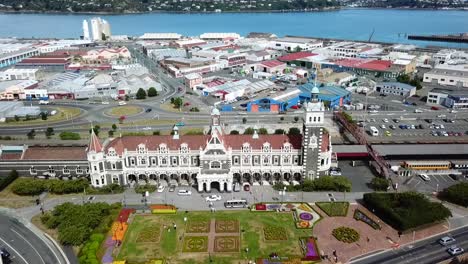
(66, 170)
(266, 147)
(246, 147)
(162, 148)
(32, 170)
(141, 149)
(287, 147)
(111, 152)
(184, 148)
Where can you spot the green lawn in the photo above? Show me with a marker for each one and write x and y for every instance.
(334, 208)
(252, 226)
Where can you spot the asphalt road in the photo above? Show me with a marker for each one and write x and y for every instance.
(24, 246)
(427, 251)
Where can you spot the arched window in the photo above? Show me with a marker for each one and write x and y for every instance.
(111, 152)
(162, 148)
(215, 165)
(266, 147)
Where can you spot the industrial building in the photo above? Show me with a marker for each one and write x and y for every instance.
(395, 88)
(447, 77)
(20, 74)
(456, 98)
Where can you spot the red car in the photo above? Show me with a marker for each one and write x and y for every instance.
(435, 108)
(187, 104)
(295, 107)
(246, 187)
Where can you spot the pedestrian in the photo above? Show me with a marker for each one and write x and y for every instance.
(185, 219)
(175, 226)
(368, 239)
(334, 253)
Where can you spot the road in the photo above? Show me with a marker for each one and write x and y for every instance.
(427, 251)
(25, 246)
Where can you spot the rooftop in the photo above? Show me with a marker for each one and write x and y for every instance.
(296, 56)
(272, 63)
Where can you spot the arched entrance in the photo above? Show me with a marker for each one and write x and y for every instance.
(237, 177)
(163, 179)
(257, 177)
(193, 179)
(132, 178)
(153, 179)
(174, 179)
(287, 176)
(215, 185)
(267, 176)
(184, 179)
(297, 177)
(246, 177)
(277, 176)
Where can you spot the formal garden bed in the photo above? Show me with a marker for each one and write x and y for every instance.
(226, 244)
(149, 234)
(163, 209)
(361, 216)
(333, 208)
(272, 232)
(198, 226)
(407, 210)
(346, 234)
(310, 249)
(304, 215)
(227, 226)
(195, 244)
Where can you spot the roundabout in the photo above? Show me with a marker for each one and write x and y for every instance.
(125, 110)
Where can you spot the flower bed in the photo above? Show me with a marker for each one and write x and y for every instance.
(334, 208)
(274, 233)
(118, 230)
(305, 217)
(163, 209)
(361, 216)
(260, 207)
(125, 214)
(345, 234)
(310, 249)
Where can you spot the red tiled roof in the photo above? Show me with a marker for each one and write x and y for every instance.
(272, 63)
(196, 141)
(370, 64)
(325, 143)
(10, 156)
(296, 56)
(55, 153)
(43, 61)
(231, 46)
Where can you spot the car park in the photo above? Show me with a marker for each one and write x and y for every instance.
(424, 177)
(213, 198)
(184, 193)
(455, 250)
(446, 240)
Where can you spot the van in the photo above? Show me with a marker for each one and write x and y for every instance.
(424, 177)
(43, 102)
(122, 103)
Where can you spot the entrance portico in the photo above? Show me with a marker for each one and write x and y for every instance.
(224, 181)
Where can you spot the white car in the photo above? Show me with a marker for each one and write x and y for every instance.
(373, 111)
(213, 198)
(161, 188)
(424, 177)
(383, 126)
(385, 120)
(446, 240)
(104, 102)
(455, 250)
(184, 193)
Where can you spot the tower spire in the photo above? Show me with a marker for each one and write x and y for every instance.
(94, 143)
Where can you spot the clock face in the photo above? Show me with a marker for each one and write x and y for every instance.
(313, 142)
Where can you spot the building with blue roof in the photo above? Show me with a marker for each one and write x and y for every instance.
(332, 96)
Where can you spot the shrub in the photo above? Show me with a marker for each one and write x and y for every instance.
(380, 184)
(234, 132)
(334, 208)
(145, 188)
(345, 234)
(457, 194)
(35, 187)
(263, 131)
(325, 183)
(294, 131)
(405, 210)
(4, 182)
(274, 233)
(141, 94)
(65, 135)
(152, 92)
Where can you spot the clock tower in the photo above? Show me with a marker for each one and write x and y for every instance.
(312, 135)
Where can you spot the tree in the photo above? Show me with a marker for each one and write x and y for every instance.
(152, 92)
(121, 119)
(380, 184)
(43, 116)
(263, 131)
(114, 127)
(178, 102)
(279, 131)
(17, 118)
(96, 129)
(127, 98)
(110, 133)
(244, 120)
(31, 134)
(234, 132)
(141, 94)
(49, 132)
(249, 131)
(457, 194)
(172, 100)
(294, 131)
(296, 118)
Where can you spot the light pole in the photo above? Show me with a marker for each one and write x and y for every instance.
(437, 188)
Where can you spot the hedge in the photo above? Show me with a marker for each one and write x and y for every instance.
(4, 182)
(405, 210)
(35, 186)
(457, 194)
(65, 135)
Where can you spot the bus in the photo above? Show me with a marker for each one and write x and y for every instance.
(427, 165)
(374, 131)
(235, 203)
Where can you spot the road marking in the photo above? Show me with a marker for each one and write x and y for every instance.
(29, 243)
(445, 179)
(14, 250)
(417, 183)
(436, 178)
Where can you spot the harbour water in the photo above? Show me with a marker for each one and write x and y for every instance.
(389, 25)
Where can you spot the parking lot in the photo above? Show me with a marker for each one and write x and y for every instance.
(436, 183)
(394, 128)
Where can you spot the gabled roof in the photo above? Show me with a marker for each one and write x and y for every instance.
(272, 63)
(55, 153)
(296, 56)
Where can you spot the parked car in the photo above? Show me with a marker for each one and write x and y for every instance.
(4, 253)
(172, 188)
(161, 188)
(246, 187)
(446, 240)
(435, 108)
(382, 126)
(148, 110)
(213, 198)
(335, 171)
(424, 177)
(184, 193)
(385, 120)
(180, 124)
(122, 103)
(388, 133)
(392, 127)
(455, 250)
(396, 120)
(455, 177)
